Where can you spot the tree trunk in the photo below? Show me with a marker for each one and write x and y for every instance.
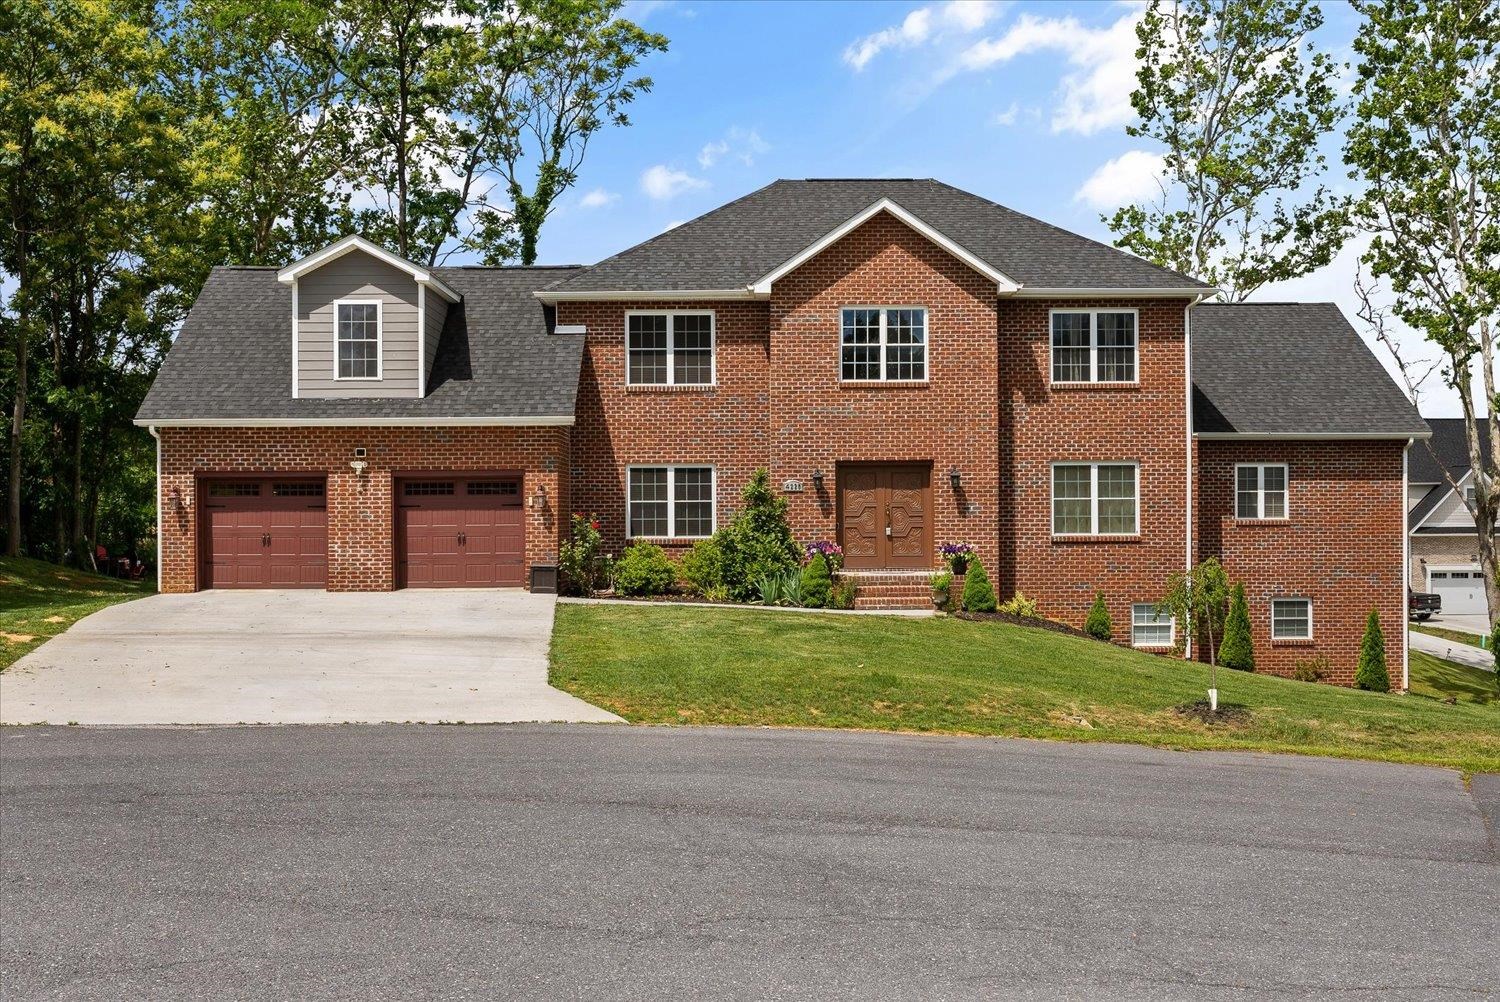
(17, 426)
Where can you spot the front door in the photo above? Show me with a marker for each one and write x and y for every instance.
(885, 517)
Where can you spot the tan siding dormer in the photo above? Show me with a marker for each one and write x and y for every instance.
(357, 277)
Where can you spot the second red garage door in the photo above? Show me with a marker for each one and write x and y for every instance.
(460, 532)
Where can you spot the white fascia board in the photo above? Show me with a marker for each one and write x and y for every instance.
(355, 242)
(546, 420)
(552, 296)
(1030, 292)
(1359, 436)
(570, 329)
(1003, 285)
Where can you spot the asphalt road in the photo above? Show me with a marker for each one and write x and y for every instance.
(602, 862)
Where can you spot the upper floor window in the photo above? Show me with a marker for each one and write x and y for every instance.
(358, 334)
(881, 343)
(669, 349)
(674, 502)
(1260, 490)
(1093, 346)
(1094, 499)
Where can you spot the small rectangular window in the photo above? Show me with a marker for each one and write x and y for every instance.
(1260, 490)
(674, 502)
(669, 349)
(1095, 499)
(358, 340)
(883, 344)
(298, 489)
(1150, 628)
(427, 488)
(1291, 619)
(245, 489)
(502, 488)
(1094, 346)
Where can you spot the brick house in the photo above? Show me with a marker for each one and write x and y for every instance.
(914, 364)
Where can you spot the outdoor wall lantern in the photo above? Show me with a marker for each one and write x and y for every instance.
(539, 499)
(954, 480)
(818, 479)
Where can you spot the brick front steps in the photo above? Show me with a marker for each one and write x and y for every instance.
(891, 589)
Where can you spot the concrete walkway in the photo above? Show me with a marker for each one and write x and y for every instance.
(284, 657)
(1464, 654)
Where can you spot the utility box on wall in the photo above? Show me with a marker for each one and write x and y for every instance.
(544, 579)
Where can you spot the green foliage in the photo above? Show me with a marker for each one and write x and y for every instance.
(780, 588)
(1098, 624)
(1199, 599)
(1238, 652)
(942, 588)
(979, 594)
(1020, 606)
(1371, 673)
(843, 595)
(1313, 669)
(1495, 650)
(643, 569)
(698, 570)
(1238, 100)
(817, 583)
(757, 543)
(580, 562)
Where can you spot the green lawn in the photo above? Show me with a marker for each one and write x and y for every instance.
(1443, 679)
(40, 600)
(716, 666)
(1452, 636)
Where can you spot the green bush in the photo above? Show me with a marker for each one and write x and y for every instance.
(942, 589)
(1313, 669)
(1020, 606)
(757, 543)
(698, 570)
(582, 566)
(643, 569)
(979, 594)
(1237, 651)
(780, 589)
(843, 595)
(817, 583)
(1371, 673)
(1098, 624)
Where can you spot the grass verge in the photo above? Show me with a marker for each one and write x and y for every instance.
(713, 666)
(1452, 636)
(39, 600)
(1440, 678)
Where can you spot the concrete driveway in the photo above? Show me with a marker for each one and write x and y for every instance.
(284, 657)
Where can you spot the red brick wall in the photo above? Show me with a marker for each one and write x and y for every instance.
(1145, 422)
(361, 517)
(1341, 546)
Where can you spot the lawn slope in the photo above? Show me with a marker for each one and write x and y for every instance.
(39, 600)
(714, 666)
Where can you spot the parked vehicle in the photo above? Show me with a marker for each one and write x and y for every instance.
(1422, 606)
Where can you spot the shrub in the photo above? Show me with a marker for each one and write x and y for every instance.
(1098, 624)
(942, 588)
(1237, 651)
(699, 568)
(643, 569)
(1020, 606)
(757, 543)
(817, 583)
(582, 566)
(780, 589)
(1371, 673)
(843, 595)
(833, 553)
(979, 594)
(1313, 669)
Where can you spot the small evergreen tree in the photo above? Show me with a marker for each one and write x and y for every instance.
(817, 583)
(1098, 624)
(1371, 673)
(1237, 651)
(758, 542)
(979, 594)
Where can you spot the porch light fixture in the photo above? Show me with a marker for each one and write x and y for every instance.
(539, 499)
(954, 480)
(818, 479)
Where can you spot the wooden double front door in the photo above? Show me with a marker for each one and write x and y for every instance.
(885, 517)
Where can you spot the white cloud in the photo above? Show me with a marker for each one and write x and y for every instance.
(662, 182)
(920, 26)
(597, 199)
(742, 144)
(1008, 116)
(1133, 176)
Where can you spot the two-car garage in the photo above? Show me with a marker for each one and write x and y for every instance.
(449, 531)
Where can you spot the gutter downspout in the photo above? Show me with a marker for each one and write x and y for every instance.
(1187, 366)
(1405, 568)
(157, 435)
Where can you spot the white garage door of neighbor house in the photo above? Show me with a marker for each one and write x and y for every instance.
(1462, 590)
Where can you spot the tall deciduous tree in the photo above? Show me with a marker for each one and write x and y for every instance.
(1238, 100)
(1423, 140)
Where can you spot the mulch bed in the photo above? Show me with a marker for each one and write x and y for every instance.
(1228, 713)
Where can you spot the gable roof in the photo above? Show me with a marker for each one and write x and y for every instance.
(496, 361)
(736, 247)
(1447, 450)
(1291, 370)
(355, 242)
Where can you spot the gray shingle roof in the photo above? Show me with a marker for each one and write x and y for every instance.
(741, 242)
(496, 359)
(1291, 369)
(1449, 451)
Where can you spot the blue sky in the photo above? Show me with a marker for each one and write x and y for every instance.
(1023, 103)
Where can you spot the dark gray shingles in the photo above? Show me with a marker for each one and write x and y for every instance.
(233, 358)
(1449, 452)
(739, 243)
(1291, 369)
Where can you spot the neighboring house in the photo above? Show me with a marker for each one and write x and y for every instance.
(1444, 542)
(913, 363)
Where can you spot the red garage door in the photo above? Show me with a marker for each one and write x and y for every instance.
(461, 532)
(267, 532)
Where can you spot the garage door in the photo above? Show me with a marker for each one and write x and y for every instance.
(461, 532)
(1462, 590)
(267, 532)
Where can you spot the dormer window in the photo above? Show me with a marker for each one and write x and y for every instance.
(358, 348)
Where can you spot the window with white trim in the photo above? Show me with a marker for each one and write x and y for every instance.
(358, 339)
(669, 349)
(1150, 626)
(883, 344)
(1291, 619)
(1095, 499)
(1093, 346)
(1260, 490)
(670, 502)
